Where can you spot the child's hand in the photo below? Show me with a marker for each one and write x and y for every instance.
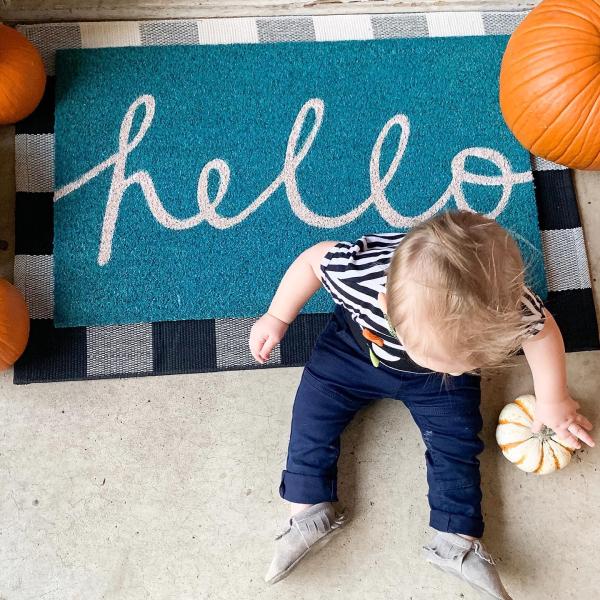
(562, 417)
(265, 334)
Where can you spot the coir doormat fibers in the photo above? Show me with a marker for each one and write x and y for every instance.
(188, 178)
(155, 348)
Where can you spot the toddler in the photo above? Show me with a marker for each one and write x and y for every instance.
(416, 316)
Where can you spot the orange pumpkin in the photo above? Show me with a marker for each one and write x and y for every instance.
(14, 324)
(550, 82)
(22, 76)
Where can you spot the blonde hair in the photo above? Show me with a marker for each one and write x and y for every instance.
(457, 279)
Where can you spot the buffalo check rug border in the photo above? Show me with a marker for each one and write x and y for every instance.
(164, 348)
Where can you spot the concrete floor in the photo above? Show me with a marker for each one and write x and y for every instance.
(166, 488)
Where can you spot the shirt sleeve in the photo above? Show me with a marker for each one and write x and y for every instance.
(344, 255)
(334, 264)
(338, 257)
(340, 275)
(533, 312)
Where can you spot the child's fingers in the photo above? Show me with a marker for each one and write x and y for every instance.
(255, 354)
(584, 422)
(268, 346)
(579, 432)
(568, 438)
(256, 344)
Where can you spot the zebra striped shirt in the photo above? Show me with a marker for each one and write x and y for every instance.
(355, 273)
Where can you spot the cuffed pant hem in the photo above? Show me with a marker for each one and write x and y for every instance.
(453, 523)
(307, 489)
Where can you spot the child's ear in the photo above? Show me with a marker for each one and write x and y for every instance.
(382, 301)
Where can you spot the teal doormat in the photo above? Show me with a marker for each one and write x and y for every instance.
(188, 178)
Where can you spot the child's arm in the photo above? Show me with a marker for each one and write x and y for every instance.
(300, 282)
(545, 353)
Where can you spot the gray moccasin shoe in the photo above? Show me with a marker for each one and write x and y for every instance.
(307, 530)
(467, 560)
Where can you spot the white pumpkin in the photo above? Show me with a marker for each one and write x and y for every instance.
(539, 452)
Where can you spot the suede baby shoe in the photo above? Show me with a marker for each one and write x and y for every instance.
(467, 560)
(307, 531)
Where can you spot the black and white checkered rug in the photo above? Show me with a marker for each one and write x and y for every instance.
(222, 344)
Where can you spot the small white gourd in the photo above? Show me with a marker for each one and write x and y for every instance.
(532, 452)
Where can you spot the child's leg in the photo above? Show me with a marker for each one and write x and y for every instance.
(295, 507)
(337, 382)
(449, 419)
(447, 414)
(309, 481)
(319, 416)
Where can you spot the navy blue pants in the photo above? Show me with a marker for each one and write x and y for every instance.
(339, 380)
